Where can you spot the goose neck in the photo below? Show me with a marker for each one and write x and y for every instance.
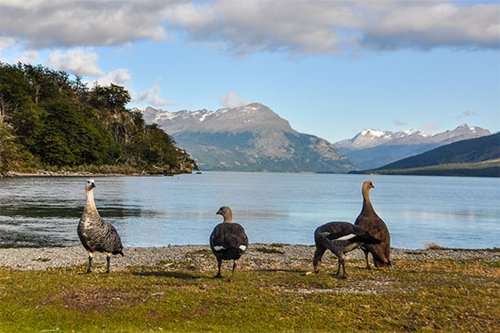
(367, 204)
(90, 207)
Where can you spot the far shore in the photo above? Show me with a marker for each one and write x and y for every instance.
(44, 173)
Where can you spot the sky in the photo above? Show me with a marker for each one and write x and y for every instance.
(331, 68)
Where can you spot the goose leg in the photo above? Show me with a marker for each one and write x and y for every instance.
(339, 263)
(232, 272)
(89, 268)
(343, 268)
(366, 258)
(108, 262)
(318, 255)
(219, 264)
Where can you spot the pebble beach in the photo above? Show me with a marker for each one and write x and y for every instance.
(199, 257)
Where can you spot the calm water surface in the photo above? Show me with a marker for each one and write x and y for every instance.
(273, 207)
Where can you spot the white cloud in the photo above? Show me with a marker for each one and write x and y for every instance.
(399, 123)
(232, 100)
(468, 114)
(151, 97)
(61, 23)
(119, 77)
(331, 27)
(77, 61)
(433, 24)
(28, 57)
(242, 27)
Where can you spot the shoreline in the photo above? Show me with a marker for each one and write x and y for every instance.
(44, 173)
(199, 257)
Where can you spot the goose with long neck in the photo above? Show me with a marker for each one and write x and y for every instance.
(375, 226)
(228, 240)
(90, 212)
(96, 234)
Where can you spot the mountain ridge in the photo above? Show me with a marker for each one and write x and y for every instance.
(248, 138)
(478, 157)
(254, 116)
(370, 149)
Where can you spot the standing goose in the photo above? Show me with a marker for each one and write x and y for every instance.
(95, 233)
(228, 240)
(339, 238)
(369, 220)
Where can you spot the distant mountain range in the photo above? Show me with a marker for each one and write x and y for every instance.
(472, 157)
(371, 148)
(254, 138)
(248, 138)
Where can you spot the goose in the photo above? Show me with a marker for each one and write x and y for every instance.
(228, 240)
(369, 220)
(340, 238)
(96, 234)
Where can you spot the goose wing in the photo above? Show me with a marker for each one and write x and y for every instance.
(227, 236)
(338, 230)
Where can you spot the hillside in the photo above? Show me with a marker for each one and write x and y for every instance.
(248, 138)
(371, 149)
(50, 122)
(473, 157)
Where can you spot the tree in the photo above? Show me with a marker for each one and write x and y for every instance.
(49, 119)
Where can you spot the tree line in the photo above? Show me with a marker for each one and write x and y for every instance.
(49, 120)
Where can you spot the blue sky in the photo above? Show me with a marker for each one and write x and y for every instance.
(332, 68)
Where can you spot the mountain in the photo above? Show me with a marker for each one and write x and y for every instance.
(371, 148)
(472, 157)
(247, 138)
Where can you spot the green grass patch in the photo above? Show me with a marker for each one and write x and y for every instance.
(489, 168)
(268, 250)
(425, 296)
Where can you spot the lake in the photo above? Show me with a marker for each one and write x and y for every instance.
(273, 208)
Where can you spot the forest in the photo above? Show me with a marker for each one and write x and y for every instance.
(50, 120)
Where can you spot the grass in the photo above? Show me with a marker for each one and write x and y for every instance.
(434, 246)
(267, 250)
(425, 296)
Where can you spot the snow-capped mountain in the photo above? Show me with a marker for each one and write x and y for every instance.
(247, 138)
(371, 148)
(252, 117)
(371, 138)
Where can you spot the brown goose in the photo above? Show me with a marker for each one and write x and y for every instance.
(375, 226)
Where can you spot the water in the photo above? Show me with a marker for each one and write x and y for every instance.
(273, 207)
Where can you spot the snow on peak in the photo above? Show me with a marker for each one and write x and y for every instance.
(165, 115)
(373, 133)
(414, 132)
(467, 127)
(202, 118)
